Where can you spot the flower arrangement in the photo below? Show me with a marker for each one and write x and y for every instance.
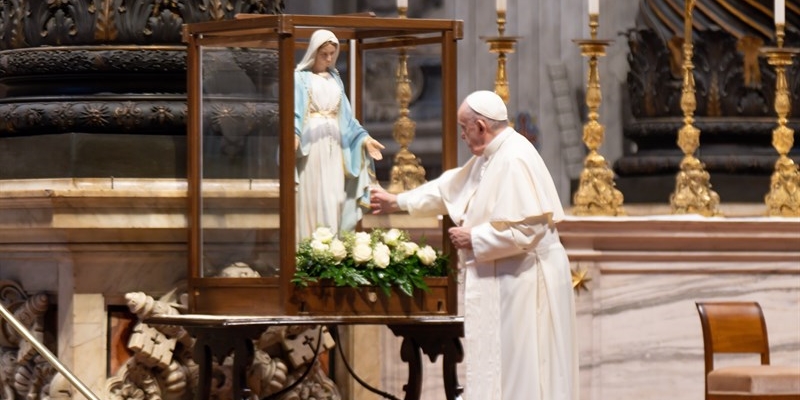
(381, 258)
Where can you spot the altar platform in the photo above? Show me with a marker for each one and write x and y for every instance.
(640, 333)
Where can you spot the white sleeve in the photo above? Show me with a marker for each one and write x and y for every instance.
(402, 201)
(495, 241)
(426, 200)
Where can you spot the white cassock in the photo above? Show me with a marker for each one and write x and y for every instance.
(519, 309)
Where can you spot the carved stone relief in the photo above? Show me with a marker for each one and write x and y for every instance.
(24, 374)
(162, 366)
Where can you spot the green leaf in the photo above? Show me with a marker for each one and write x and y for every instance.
(406, 288)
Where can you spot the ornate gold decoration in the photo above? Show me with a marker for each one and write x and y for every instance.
(693, 194)
(596, 194)
(501, 45)
(407, 171)
(783, 198)
(580, 277)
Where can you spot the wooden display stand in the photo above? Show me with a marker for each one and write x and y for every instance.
(241, 107)
(241, 187)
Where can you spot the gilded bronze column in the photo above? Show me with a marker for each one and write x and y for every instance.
(783, 198)
(407, 171)
(693, 194)
(596, 194)
(501, 45)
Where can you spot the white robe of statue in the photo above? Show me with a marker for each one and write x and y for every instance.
(324, 157)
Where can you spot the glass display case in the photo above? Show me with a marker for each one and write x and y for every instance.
(241, 160)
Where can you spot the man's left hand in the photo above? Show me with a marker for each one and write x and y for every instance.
(461, 237)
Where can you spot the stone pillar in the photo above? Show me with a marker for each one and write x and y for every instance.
(98, 88)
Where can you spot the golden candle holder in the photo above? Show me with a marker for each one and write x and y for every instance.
(501, 45)
(596, 194)
(783, 198)
(693, 194)
(407, 172)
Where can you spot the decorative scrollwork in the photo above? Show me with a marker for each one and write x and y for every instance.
(162, 366)
(23, 372)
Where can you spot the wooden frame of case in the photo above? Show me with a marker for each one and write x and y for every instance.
(278, 295)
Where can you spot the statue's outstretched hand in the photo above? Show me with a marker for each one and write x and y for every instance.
(374, 148)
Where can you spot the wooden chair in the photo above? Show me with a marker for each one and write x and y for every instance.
(739, 327)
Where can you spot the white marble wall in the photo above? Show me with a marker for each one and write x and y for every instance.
(641, 336)
(644, 331)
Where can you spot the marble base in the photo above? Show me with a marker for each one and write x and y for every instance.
(641, 331)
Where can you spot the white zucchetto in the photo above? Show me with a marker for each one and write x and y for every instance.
(488, 104)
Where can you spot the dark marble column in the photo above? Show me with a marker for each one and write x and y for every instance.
(97, 88)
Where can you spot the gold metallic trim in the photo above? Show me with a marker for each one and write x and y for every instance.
(783, 198)
(596, 194)
(743, 17)
(407, 172)
(663, 17)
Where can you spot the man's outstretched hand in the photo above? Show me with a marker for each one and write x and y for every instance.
(381, 201)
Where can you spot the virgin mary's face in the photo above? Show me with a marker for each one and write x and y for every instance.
(324, 58)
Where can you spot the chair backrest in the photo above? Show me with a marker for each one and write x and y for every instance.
(733, 327)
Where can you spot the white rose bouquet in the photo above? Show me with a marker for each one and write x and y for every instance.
(385, 259)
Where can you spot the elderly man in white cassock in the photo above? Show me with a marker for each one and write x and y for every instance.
(519, 310)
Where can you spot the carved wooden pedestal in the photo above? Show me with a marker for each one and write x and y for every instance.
(431, 340)
(219, 336)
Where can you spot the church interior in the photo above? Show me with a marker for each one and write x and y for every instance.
(669, 127)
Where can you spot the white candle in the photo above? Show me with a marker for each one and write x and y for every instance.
(501, 5)
(780, 12)
(594, 6)
(402, 3)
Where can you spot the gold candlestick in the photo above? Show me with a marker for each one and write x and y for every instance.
(693, 194)
(407, 172)
(596, 194)
(501, 45)
(783, 198)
